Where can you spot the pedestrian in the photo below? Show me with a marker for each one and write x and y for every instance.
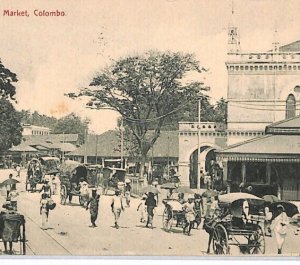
(84, 192)
(8, 186)
(44, 211)
(279, 226)
(143, 209)
(117, 207)
(46, 188)
(214, 205)
(198, 201)
(268, 218)
(13, 194)
(151, 204)
(127, 191)
(189, 209)
(155, 184)
(55, 184)
(94, 207)
(18, 169)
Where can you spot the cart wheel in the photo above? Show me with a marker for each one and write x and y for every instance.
(63, 194)
(167, 219)
(257, 243)
(220, 240)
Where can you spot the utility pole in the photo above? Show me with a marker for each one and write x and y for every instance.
(199, 151)
(96, 162)
(122, 142)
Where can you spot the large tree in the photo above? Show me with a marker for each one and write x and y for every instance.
(72, 124)
(146, 90)
(7, 78)
(10, 121)
(10, 126)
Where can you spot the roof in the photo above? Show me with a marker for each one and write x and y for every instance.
(287, 127)
(23, 148)
(108, 145)
(52, 138)
(291, 47)
(268, 146)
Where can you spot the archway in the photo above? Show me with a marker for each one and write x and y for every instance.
(207, 154)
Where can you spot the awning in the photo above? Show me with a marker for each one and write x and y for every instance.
(269, 148)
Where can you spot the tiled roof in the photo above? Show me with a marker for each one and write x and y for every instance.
(108, 145)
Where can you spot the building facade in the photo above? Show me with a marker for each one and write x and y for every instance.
(35, 130)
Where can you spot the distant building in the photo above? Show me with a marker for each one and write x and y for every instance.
(35, 130)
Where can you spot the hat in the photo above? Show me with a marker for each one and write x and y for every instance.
(127, 180)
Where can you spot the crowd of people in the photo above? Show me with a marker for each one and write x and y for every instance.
(195, 207)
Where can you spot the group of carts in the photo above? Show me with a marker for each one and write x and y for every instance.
(228, 227)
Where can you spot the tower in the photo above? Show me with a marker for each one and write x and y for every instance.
(233, 35)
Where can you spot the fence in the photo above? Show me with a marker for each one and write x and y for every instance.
(137, 185)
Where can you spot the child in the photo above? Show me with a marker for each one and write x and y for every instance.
(94, 206)
(46, 188)
(44, 211)
(142, 208)
(127, 190)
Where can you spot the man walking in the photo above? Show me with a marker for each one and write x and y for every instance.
(117, 207)
(94, 206)
(151, 204)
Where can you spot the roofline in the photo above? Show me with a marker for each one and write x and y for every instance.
(242, 143)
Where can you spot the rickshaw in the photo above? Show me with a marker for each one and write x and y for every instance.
(110, 178)
(230, 228)
(12, 229)
(71, 172)
(173, 214)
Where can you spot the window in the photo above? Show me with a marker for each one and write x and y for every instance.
(290, 110)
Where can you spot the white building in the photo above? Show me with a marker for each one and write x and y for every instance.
(35, 130)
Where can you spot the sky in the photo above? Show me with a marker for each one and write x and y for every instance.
(55, 55)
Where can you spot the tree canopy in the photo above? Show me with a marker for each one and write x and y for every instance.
(10, 121)
(72, 124)
(7, 78)
(10, 126)
(146, 90)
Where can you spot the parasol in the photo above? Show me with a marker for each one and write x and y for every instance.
(150, 189)
(168, 186)
(184, 189)
(231, 197)
(270, 198)
(290, 208)
(209, 193)
(9, 182)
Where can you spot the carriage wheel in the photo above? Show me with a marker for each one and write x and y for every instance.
(63, 194)
(220, 240)
(257, 242)
(167, 219)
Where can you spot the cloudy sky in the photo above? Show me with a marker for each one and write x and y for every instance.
(54, 55)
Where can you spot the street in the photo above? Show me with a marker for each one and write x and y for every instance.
(71, 234)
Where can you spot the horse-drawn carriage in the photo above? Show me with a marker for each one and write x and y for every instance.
(37, 169)
(237, 223)
(71, 174)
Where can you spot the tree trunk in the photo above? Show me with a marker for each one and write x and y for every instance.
(142, 165)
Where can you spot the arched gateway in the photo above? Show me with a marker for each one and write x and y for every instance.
(212, 137)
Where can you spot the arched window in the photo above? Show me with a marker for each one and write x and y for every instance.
(290, 110)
